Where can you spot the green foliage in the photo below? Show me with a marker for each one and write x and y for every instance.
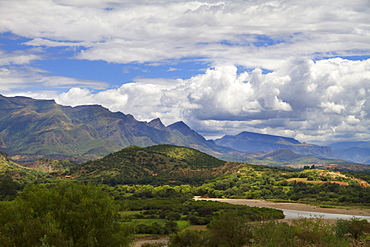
(193, 157)
(273, 233)
(229, 230)
(354, 227)
(134, 164)
(155, 228)
(68, 214)
(8, 188)
(190, 238)
(330, 193)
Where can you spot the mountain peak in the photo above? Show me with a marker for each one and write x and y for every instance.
(255, 142)
(180, 126)
(157, 123)
(265, 137)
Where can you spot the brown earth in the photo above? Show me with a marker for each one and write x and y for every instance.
(151, 240)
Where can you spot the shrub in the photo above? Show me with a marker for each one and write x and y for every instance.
(68, 214)
(354, 227)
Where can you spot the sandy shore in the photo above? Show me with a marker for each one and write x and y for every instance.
(293, 206)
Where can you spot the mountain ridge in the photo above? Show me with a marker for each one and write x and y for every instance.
(254, 142)
(32, 129)
(356, 151)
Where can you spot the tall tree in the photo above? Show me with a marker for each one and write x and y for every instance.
(69, 214)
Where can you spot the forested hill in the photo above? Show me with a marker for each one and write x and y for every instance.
(157, 162)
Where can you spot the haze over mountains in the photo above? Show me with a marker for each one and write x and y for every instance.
(31, 129)
(254, 142)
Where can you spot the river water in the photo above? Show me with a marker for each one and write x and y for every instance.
(296, 214)
(289, 213)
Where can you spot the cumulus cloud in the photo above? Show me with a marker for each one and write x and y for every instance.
(305, 95)
(312, 101)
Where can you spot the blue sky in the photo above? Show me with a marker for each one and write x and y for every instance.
(294, 68)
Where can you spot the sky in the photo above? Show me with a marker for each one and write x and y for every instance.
(293, 68)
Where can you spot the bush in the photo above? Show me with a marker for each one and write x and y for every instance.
(68, 214)
(354, 227)
(273, 233)
(189, 238)
(231, 229)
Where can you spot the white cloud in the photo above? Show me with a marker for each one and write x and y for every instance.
(17, 57)
(24, 78)
(282, 102)
(322, 100)
(253, 34)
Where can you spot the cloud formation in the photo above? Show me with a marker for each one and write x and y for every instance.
(313, 101)
(252, 34)
(274, 66)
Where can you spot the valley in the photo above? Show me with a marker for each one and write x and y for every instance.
(149, 174)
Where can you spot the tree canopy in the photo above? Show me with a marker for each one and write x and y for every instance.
(63, 214)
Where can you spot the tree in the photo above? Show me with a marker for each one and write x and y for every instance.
(231, 229)
(190, 238)
(8, 187)
(68, 214)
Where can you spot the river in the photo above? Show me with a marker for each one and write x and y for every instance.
(296, 210)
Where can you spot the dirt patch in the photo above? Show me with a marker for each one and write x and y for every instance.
(318, 182)
(152, 240)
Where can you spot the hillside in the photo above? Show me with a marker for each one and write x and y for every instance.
(32, 129)
(156, 162)
(255, 142)
(10, 168)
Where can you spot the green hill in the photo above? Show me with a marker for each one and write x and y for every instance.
(10, 168)
(160, 162)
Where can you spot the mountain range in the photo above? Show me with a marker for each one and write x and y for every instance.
(255, 142)
(32, 129)
(354, 151)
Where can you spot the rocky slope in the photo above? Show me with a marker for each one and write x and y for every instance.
(31, 129)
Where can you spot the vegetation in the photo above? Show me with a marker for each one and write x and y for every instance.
(235, 231)
(150, 191)
(162, 216)
(64, 214)
(135, 164)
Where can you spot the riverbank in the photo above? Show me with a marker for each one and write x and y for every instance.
(291, 210)
(293, 206)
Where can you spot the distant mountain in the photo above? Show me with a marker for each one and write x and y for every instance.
(287, 158)
(32, 129)
(353, 151)
(254, 142)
